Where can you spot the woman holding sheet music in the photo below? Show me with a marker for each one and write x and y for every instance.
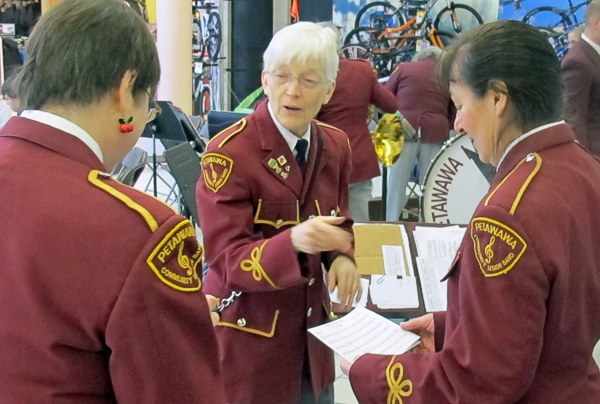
(524, 288)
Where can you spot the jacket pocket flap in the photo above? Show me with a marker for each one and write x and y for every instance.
(262, 326)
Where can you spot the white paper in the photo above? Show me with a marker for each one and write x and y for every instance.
(363, 331)
(393, 260)
(333, 296)
(435, 293)
(407, 253)
(390, 292)
(436, 248)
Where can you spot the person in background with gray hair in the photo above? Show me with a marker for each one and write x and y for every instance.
(429, 109)
(356, 90)
(273, 209)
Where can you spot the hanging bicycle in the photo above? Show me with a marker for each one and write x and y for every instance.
(556, 23)
(387, 46)
(453, 18)
(206, 30)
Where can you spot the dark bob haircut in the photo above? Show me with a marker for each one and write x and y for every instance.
(80, 49)
(513, 53)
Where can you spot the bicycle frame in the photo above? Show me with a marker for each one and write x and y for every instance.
(572, 10)
(400, 11)
(413, 29)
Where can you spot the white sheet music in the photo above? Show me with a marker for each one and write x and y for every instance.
(363, 331)
(436, 248)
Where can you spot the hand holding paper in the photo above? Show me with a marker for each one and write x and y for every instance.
(363, 331)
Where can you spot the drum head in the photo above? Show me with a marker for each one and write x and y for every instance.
(455, 183)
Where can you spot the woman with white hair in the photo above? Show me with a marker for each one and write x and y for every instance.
(273, 208)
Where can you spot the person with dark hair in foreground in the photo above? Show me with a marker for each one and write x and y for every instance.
(524, 287)
(100, 296)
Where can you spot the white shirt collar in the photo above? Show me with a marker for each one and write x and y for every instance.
(66, 126)
(524, 136)
(288, 136)
(592, 43)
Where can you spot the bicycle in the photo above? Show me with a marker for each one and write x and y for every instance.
(556, 23)
(201, 92)
(554, 18)
(387, 46)
(206, 29)
(453, 18)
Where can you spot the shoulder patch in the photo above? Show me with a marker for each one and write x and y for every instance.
(497, 247)
(399, 389)
(513, 186)
(174, 262)
(326, 125)
(216, 170)
(228, 133)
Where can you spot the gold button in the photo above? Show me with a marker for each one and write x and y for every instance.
(241, 322)
(279, 221)
(530, 157)
(333, 213)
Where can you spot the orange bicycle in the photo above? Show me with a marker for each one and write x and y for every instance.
(386, 46)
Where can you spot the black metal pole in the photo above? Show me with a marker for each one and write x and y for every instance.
(154, 165)
(384, 192)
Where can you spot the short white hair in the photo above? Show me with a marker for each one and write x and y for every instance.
(428, 52)
(307, 43)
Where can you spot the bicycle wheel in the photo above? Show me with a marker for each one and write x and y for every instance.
(213, 41)
(206, 101)
(379, 13)
(457, 19)
(385, 63)
(360, 36)
(558, 40)
(354, 51)
(548, 17)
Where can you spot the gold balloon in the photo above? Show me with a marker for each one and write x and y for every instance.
(388, 139)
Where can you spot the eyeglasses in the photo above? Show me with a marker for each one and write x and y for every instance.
(153, 111)
(309, 83)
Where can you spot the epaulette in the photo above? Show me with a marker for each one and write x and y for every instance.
(176, 257)
(514, 185)
(228, 133)
(101, 180)
(326, 125)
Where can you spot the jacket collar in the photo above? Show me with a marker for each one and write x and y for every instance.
(52, 139)
(544, 139)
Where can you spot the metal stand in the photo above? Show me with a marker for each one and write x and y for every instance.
(384, 192)
(154, 163)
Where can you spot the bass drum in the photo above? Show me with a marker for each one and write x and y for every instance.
(455, 182)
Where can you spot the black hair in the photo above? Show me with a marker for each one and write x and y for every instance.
(513, 53)
(81, 49)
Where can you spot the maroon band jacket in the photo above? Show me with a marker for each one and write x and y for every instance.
(249, 197)
(421, 100)
(523, 293)
(581, 76)
(99, 295)
(356, 88)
